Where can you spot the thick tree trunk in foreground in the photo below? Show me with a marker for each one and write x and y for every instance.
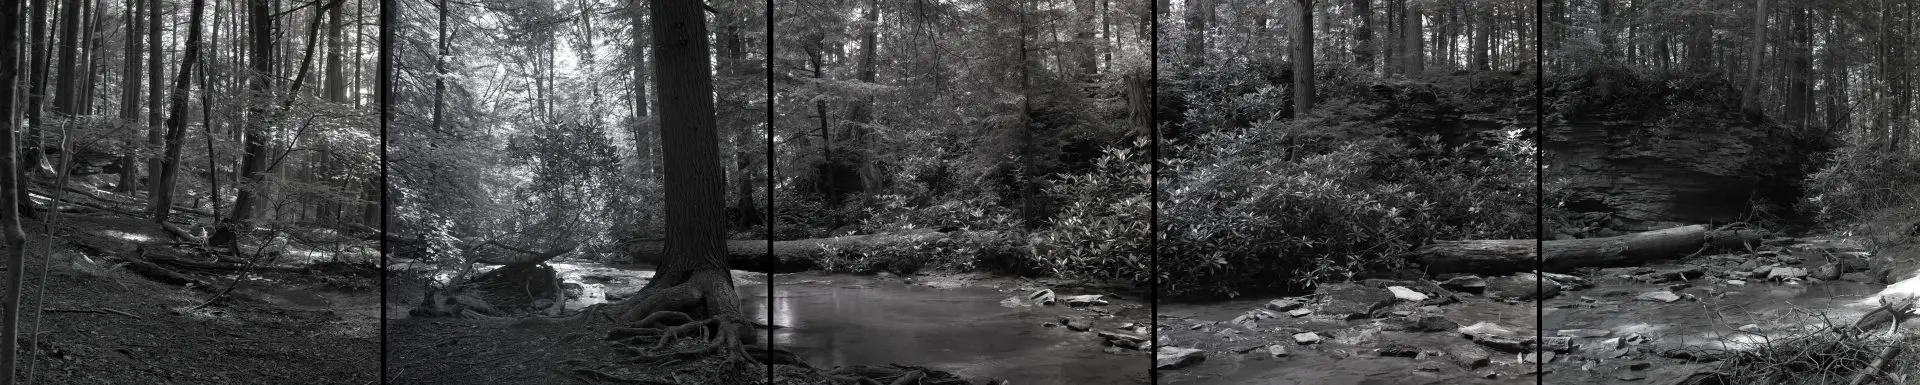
(693, 277)
(1515, 255)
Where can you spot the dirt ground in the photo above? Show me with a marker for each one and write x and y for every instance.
(106, 325)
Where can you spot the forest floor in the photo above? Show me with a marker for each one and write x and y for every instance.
(310, 319)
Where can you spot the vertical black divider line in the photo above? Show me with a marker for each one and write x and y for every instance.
(1153, 192)
(385, 67)
(770, 209)
(1539, 191)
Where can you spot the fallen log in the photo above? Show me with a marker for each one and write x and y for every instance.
(1518, 255)
(790, 256)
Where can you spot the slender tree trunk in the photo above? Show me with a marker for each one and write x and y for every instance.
(1751, 97)
(1303, 89)
(1196, 33)
(155, 136)
(252, 182)
(1414, 46)
(1363, 34)
(130, 97)
(10, 183)
(177, 118)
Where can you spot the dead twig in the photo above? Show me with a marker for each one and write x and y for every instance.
(101, 310)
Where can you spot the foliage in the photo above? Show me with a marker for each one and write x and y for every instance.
(1279, 203)
(1101, 233)
(1864, 184)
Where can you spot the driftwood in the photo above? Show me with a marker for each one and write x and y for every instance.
(786, 256)
(1517, 255)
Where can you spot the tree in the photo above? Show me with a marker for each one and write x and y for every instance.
(162, 206)
(253, 165)
(693, 279)
(130, 97)
(1303, 59)
(1751, 98)
(15, 238)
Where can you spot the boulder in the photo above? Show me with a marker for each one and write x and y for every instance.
(1354, 301)
(1168, 357)
(1285, 304)
(1307, 338)
(1783, 273)
(1468, 355)
(1404, 294)
(1521, 287)
(1465, 283)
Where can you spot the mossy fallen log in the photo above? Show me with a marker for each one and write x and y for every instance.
(1517, 255)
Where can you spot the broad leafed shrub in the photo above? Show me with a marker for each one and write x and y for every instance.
(1101, 229)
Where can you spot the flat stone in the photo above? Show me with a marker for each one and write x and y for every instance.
(1584, 333)
(1465, 283)
(1285, 304)
(1404, 294)
(1169, 357)
(1084, 300)
(1521, 287)
(1299, 312)
(1277, 350)
(1307, 338)
(1736, 282)
(1786, 273)
(1662, 296)
(1077, 324)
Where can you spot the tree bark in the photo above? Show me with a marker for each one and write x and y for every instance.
(694, 274)
(177, 119)
(1303, 89)
(130, 97)
(1516, 255)
(14, 236)
(260, 115)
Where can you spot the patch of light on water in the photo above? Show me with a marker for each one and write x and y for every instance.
(126, 235)
(1639, 328)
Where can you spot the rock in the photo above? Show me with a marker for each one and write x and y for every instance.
(1630, 376)
(1557, 344)
(1639, 365)
(1750, 328)
(1405, 294)
(1307, 338)
(1169, 357)
(1568, 282)
(1749, 265)
(1129, 338)
(1614, 343)
(1736, 282)
(1285, 304)
(1114, 350)
(1041, 297)
(1856, 277)
(1679, 286)
(1783, 273)
(1428, 367)
(1468, 355)
(1076, 324)
(1662, 296)
(1538, 357)
(1670, 274)
(1352, 301)
(1084, 300)
(1465, 283)
(1398, 351)
(1827, 272)
(1494, 336)
(1584, 333)
(1244, 320)
(1277, 350)
(1521, 287)
(1300, 312)
(1434, 323)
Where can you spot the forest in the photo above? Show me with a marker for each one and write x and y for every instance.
(1760, 156)
(184, 179)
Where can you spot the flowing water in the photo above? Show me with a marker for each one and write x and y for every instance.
(835, 320)
(1763, 308)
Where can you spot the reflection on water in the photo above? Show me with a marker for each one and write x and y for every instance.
(835, 320)
(844, 320)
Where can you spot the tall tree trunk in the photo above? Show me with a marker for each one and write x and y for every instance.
(1196, 33)
(1363, 34)
(130, 97)
(253, 166)
(9, 183)
(177, 118)
(1414, 46)
(1751, 98)
(155, 136)
(1482, 41)
(694, 274)
(1303, 89)
(732, 64)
